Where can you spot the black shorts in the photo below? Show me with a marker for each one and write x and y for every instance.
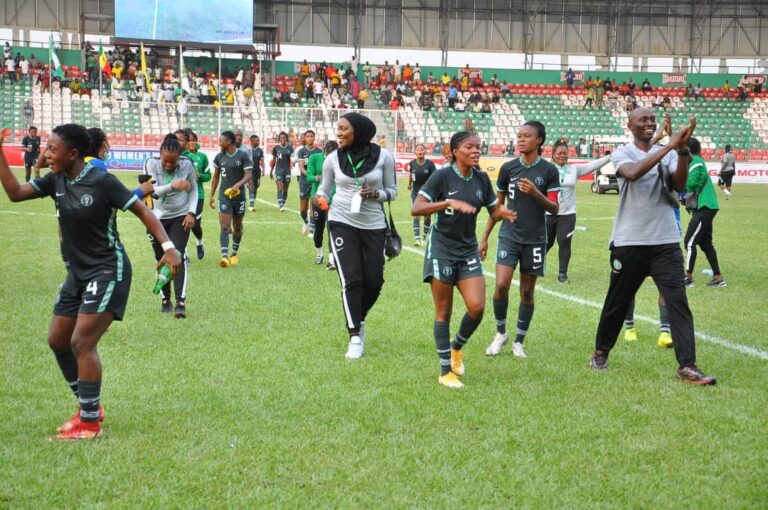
(283, 176)
(234, 206)
(532, 257)
(97, 296)
(305, 188)
(451, 271)
(727, 177)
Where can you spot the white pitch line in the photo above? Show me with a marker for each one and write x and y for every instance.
(722, 342)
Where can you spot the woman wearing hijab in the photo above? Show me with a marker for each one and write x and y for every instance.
(364, 176)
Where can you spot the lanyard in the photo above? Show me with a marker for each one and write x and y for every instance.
(564, 170)
(355, 168)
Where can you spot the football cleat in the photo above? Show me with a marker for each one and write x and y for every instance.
(200, 252)
(457, 362)
(692, 375)
(665, 340)
(67, 425)
(224, 262)
(79, 431)
(497, 344)
(319, 259)
(599, 360)
(180, 312)
(716, 283)
(450, 380)
(517, 350)
(233, 260)
(165, 306)
(630, 335)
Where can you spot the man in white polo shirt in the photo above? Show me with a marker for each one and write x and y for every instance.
(646, 242)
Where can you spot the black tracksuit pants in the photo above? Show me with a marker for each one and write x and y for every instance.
(630, 265)
(359, 258)
(180, 237)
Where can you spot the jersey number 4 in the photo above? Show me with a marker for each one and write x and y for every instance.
(93, 288)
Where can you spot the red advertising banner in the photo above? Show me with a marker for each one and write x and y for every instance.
(674, 78)
(756, 78)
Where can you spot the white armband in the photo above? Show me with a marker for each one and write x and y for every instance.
(168, 245)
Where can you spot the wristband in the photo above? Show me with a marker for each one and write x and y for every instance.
(168, 245)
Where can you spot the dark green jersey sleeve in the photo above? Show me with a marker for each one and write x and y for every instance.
(44, 185)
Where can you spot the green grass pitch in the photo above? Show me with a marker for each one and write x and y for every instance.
(250, 403)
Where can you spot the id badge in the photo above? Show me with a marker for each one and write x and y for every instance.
(357, 202)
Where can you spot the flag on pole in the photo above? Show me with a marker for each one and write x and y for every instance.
(144, 68)
(183, 74)
(56, 72)
(104, 62)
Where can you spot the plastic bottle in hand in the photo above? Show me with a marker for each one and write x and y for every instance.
(164, 276)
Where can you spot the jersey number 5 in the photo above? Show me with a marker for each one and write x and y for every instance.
(511, 190)
(537, 255)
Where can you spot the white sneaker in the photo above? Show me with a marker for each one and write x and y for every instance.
(355, 349)
(498, 342)
(517, 350)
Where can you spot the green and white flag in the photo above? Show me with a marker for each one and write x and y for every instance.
(56, 70)
(183, 78)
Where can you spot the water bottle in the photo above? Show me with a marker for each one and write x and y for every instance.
(164, 275)
(581, 229)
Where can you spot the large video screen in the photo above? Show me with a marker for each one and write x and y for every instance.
(199, 21)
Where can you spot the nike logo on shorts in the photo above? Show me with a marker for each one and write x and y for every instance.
(536, 267)
(88, 302)
(451, 193)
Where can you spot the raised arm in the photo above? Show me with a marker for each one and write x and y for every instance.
(588, 168)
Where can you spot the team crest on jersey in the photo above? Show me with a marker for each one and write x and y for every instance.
(447, 271)
(539, 180)
(479, 194)
(86, 200)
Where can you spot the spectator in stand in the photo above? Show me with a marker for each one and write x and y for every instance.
(590, 101)
(632, 85)
(465, 83)
(304, 69)
(45, 80)
(698, 91)
(24, 69)
(417, 74)
(407, 73)
(452, 95)
(396, 72)
(459, 106)
(329, 70)
(484, 148)
(7, 51)
(511, 148)
(742, 94)
(354, 89)
(335, 82)
(445, 79)
(757, 87)
(10, 68)
(570, 77)
(646, 87)
(366, 73)
(743, 82)
(726, 87)
(624, 89)
(317, 90)
(689, 90)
